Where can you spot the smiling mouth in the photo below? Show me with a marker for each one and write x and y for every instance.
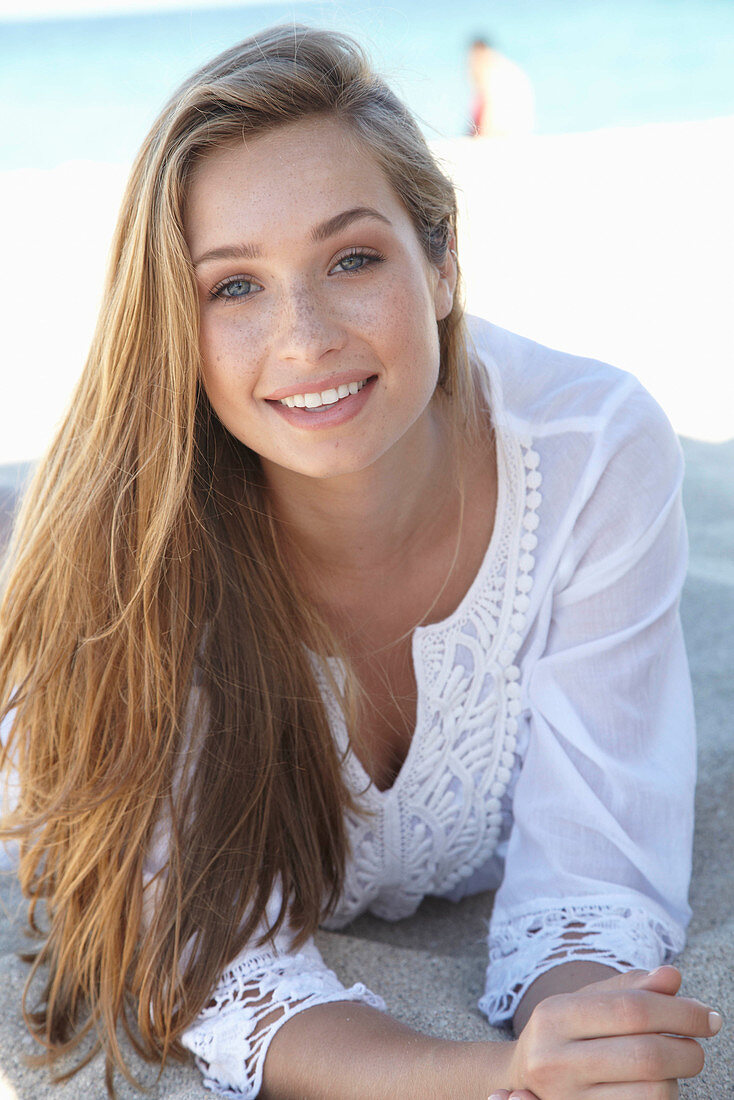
(325, 397)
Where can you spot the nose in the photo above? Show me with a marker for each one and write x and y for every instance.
(308, 328)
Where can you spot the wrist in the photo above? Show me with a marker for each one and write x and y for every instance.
(567, 977)
(471, 1070)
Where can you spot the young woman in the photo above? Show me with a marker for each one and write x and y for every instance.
(324, 600)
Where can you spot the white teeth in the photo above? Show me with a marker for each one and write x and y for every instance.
(327, 397)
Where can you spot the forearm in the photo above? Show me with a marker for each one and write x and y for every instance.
(354, 1052)
(566, 978)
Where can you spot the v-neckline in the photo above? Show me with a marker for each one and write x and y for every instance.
(354, 769)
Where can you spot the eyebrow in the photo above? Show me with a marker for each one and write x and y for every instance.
(341, 221)
(320, 232)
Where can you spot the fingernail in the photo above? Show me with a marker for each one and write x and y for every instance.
(715, 1022)
(495, 1096)
(657, 970)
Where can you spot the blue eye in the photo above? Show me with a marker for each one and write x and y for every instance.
(357, 261)
(234, 290)
(352, 263)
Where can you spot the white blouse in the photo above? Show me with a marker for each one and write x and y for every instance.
(553, 756)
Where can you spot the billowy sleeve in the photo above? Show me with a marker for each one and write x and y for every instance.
(259, 991)
(599, 855)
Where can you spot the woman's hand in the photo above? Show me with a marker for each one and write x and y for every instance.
(626, 1038)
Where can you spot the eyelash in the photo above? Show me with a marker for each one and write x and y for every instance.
(217, 292)
(368, 254)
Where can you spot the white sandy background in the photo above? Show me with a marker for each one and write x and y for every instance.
(616, 244)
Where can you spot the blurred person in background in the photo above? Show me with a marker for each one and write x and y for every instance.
(503, 103)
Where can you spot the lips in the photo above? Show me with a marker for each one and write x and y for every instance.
(317, 413)
(319, 386)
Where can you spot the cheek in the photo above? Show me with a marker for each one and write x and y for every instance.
(402, 311)
(409, 333)
(228, 357)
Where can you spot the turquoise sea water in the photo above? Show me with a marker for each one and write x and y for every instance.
(88, 88)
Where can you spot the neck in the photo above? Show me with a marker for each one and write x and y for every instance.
(367, 520)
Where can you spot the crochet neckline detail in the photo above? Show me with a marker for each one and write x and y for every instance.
(515, 459)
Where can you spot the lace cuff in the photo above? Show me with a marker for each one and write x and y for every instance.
(522, 948)
(254, 998)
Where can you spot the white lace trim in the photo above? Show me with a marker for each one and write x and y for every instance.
(521, 949)
(231, 1037)
(443, 817)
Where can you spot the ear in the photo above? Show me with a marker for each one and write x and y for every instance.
(448, 271)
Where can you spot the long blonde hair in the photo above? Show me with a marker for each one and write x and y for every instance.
(145, 572)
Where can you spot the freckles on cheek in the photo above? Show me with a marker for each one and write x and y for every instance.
(406, 305)
(215, 343)
(224, 357)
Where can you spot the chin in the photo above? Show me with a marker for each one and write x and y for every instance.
(340, 462)
(326, 470)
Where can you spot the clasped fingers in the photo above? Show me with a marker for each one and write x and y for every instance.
(637, 1058)
(612, 1038)
(597, 1013)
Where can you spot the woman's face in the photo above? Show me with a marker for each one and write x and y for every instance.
(318, 305)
